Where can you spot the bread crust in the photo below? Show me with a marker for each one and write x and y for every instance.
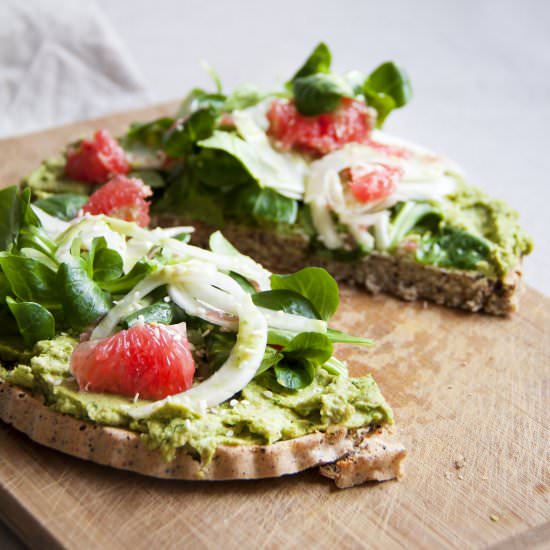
(378, 272)
(125, 449)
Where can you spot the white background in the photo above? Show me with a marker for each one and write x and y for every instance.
(480, 71)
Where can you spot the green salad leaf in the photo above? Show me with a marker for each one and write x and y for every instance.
(319, 93)
(338, 337)
(30, 280)
(319, 61)
(158, 312)
(34, 321)
(148, 134)
(313, 283)
(180, 139)
(453, 248)
(387, 88)
(64, 206)
(198, 98)
(129, 280)
(243, 97)
(301, 357)
(295, 377)
(288, 301)
(311, 346)
(265, 205)
(82, 298)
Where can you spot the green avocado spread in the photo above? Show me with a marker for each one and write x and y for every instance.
(262, 413)
(471, 210)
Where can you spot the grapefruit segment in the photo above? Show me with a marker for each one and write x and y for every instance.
(96, 159)
(150, 361)
(318, 135)
(122, 198)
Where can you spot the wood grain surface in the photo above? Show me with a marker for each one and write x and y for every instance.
(468, 390)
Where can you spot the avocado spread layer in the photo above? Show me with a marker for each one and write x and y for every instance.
(263, 412)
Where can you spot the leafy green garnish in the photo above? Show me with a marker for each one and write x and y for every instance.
(410, 214)
(318, 62)
(159, 312)
(387, 88)
(315, 284)
(453, 248)
(243, 97)
(128, 281)
(287, 301)
(265, 205)
(83, 300)
(301, 357)
(29, 279)
(179, 140)
(148, 134)
(310, 346)
(296, 377)
(35, 322)
(104, 264)
(338, 337)
(64, 206)
(319, 93)
(11, 216)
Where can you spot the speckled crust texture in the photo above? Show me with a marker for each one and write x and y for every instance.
(126, 450)
(379, 272)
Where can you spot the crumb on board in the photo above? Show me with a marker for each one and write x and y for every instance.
(460, 462)
(494, 518)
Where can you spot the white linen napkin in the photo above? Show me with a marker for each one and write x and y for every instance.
(61, 61)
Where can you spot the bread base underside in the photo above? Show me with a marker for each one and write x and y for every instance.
(349, 457)
(378, 272)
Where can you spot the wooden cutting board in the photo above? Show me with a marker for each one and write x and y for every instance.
(465, 388)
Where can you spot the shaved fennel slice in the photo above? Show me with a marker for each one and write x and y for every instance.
(192, 306)
(292, 323)
(324, 224)
(52, 226)
(241, 264)
(126, 305)
(211, 303)
(239, 368)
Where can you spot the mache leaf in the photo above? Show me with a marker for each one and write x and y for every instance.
(35, 322)
(84, 302)
(313, 283)
(319, 93)
(318, 62)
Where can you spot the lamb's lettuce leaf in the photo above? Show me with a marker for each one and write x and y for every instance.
(158, 312)
(30, 280)
(318, 62)
(387, 88)
(313, 283)
(180, 139)
(453, 248)
(34, 321)
(287, 301)
(319, 93)
(82, 298)
(64, 206)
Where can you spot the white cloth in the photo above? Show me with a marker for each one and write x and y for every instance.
(61, 61)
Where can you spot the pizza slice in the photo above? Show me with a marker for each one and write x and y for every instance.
(132, 348)
(305, 176)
